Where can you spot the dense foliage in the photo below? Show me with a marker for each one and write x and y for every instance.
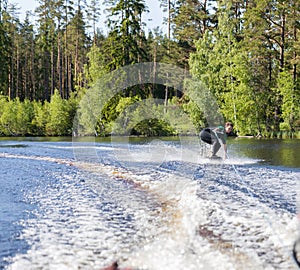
(247, 54)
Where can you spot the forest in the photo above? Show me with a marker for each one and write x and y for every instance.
(246, 52)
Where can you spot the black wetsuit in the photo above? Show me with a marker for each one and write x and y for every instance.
(213, 136)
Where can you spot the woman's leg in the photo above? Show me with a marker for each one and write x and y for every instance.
(216, 146)
(206, 136)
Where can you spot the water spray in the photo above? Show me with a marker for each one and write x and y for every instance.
(294, 253)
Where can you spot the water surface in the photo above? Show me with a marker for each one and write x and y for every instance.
(276, 152)
(152, 203)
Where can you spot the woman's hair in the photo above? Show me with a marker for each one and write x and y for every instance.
(228, 124)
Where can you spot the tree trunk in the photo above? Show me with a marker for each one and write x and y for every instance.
(11, 77)
(18, 71)
(282, 41)
(46, 74)
(59, 63)
(52, 68)
(32, 75)
(295, 29)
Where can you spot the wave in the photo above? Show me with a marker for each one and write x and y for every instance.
(168, 210)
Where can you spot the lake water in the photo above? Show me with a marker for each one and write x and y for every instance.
(148, 203)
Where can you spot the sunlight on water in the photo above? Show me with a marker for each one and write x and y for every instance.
(155, 205)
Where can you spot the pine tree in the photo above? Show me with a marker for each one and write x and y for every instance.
(78, 41)
(4, 53)
(11, 25)
(190, 21)
(93, 14)
(126, 36)
(67, 81)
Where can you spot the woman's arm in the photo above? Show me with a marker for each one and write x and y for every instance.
(225, 151)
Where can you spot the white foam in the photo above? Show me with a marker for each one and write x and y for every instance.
(213, 221)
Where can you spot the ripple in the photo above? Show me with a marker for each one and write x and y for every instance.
(169, 215)
(13, 145)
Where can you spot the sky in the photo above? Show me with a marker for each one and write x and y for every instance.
(153, 19)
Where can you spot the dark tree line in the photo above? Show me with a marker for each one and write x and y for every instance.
(247, 53)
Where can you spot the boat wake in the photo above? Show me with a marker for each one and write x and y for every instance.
(159, 210)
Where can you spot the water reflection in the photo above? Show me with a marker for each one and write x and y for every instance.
(12, 145)
(278, 152)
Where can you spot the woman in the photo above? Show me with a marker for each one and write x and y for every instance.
(216, 137)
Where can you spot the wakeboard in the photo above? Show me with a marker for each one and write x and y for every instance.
(215, 158)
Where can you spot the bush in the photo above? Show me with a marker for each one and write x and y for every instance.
(152, 128)
(16, 117)
(40, 118)
(59, 122)
(284, 126)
